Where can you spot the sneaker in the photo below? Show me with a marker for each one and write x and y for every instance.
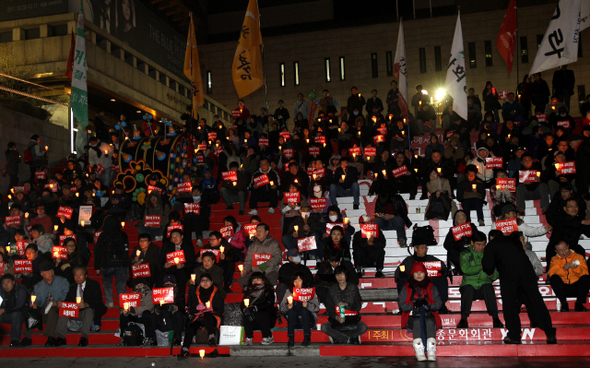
(253, 212)
(291, 342)
(355, 340)
(26, 342)
(463, 323)
(271, 211)
(482, 223)
(355, 206)
(50, 342)
(184, 354)
(508, 340)
(267, 340)
(497, 323)
(564, 307)
(60, 341)
(379, 275)
(14, 343)
(110, 305)
(248, 341)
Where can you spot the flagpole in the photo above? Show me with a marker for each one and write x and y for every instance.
(517, 41)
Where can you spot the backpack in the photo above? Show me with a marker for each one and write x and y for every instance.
(117, 252)
(28, 156)
(132, 335)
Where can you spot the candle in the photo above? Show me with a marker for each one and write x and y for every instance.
(208, 305)
(78, 300)
(82, 223)
(296, 181)
(202, 351)
(438, 169)
(296, 228)
(126, 306)
(384, 173)
(193, 277)
(307, 140)
(55, 227)
(272, 183)
(26, 215)
(419, 103)
(176, 260)
(12, 190)
(538, 174)
(416, 169)
(339, 130)
(77, 194)
(122, 223)
(290, 299)
(8, 249)
(241, 268)
(33, 298)
(473, 186)
(138, 253)
(402, 268)
(162, 302)
(552, 107)
(9, 196)
(508, 136)
(246, 302)
(221, 249)
(345, 220)
(46, 147)
(359, 133)
(234, 183)
(498, 187)
(376, 175)
(359, 95)
(55, 254)
(106, 152)
(343, 177)
(314, 176)
(374, 118)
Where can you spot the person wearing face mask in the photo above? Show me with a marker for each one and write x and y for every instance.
(307, 224)
(563, 119)
(334, 216)
(368, 249)
(354, 105)
(198, 222)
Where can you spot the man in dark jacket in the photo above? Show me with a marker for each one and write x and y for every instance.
(260, 190)
(325, 277)
(564, 82)
(568, 227)
(345, 183)
(369, 250)
(235, 191)
(91, 306)
(171, 262)
(286, 273)
(517, 281)
(13, 308)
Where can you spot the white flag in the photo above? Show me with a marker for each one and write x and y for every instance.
(561, 40)
(400, 71)
(456, 83)
(585, 15)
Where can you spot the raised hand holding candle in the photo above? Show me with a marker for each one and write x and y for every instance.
(296, 228)
(78, 300)
(193, 277)
(138, 253)
(241, 268)
(33, 298)
(27, 216)
(55, 227)
(161, 303)
(221, 249)
(290, 300)
(246, 302)
(126, 306)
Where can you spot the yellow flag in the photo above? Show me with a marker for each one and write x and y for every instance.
(192, 68)
(247, 66)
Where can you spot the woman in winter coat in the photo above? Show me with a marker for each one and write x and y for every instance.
(300, 314)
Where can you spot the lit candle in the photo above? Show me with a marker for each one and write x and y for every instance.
(55, 255)
(208, 305)
(359, 133)
(473, 186)
(296, 228)
(345, 220)
(221, 249)
(296, 181)
(82, 223)
(339, 130)
(106, 152)
(46, 147)
(162, 302)
(272, 183)
(26, 215)
(403, 132)
(538, 174)
(498, 187)
(176, 260)
(8, 249)
(384, 173)
(202, 351)
(376, 175)
(343, 177)
(193, 277)
(359, 95)
(552, 107)
(246, 302)
(402, 268)
(314, 176)
(126, 306)
(307, 140)
(33, 298)
(416, 169)
(241, 268)
(122, 223)
(55, 227)
(235, 183)
(138, 253)
(77, 194)
(9, 196)
(78, 300)
(438, 169)
(419, 103)
(290, 299)
(508, 136)
(374, 118)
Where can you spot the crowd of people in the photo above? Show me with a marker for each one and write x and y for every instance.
(301, 172)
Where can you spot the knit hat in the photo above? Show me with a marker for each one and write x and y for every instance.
(423, 235)
(417, 267)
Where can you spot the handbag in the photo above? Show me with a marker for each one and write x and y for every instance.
(34, 319)
(231, 335)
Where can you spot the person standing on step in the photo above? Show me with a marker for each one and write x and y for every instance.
(517, 281)
(419, 302)
(476, 283)
(264, 190)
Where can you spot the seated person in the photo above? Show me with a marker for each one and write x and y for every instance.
(509, 213)
(266, 192)
(49, 292)
(181, 271)
(198, 223)
(422, 237)
(205, 310)
(141, 314)
(43, 240)
(500, 196)
(238, 239)
(530, 191)
(13, 309)
(227, 258)
(264, 255)
(259, 310)
(568, 276)
(417, 296)
(335, 217)
(336, 240)
(65, 267)
(456, 247)
(170, 316)
(303, 226)
(29, 280)
(345, 183)
(208, 258)
(345, 327)
(91, 306)
(369, 250)
(325, 277)
(154, 206)
(287, 271)
(147, 252)
(391, 213)
(568, 227)
(440, 202)
(476, 284)
(299, 314)
(471, 192)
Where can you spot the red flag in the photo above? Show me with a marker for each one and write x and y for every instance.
(70, 63)
(507, 35)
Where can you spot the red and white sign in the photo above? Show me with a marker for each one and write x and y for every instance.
(260, 258)
(59, 252)
(564, 124)
(450, 133)
(192, 208)
(1, 268)
(51, 186)
(214, 251)
(314, 151)
(565, 168)
(40, 175)
(493, 162)
(261, 180)
(503, 95)
(151, 188)
(236, 113)
(263, 142)
(303, 294)
(319, 173)
(379, 138)
(433, 269)
(289, 153)
(99, 169)
(65, 212)
(321, 139)
(285, 135)
(541, 118)
(382, 130)
(371, 151)
(134, 300)
(21, 246)
(292, 197)
(21, 188)
(163, 294)
(62, 238)
(227, 231)
(354, 151)
(96, 235)
(176, 257)
(527, 176)
(212, 136)
(12, 220)
(306, 244)
(250, 230)
(202, 147)
(230, 175)
(400, 171)
(509, 184)
(218, 151)
(507, 226)
(318, 204)
(329, 226)
(200, 159)
(369, 229)
(69, 310)
(184, 187)
(152, 221)
(141, 270)
(172, 227)
(23, 266)
(462, 230)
